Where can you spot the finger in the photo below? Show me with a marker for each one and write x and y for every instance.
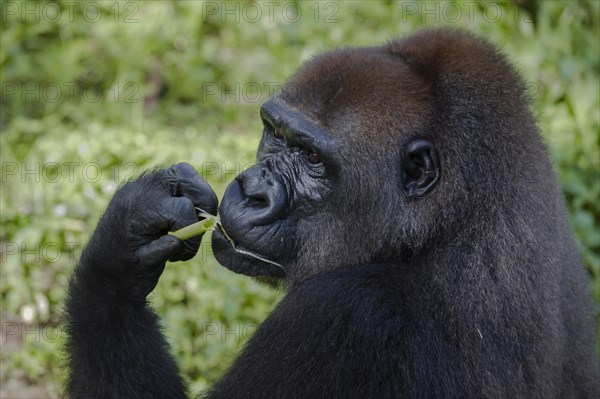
(185, 181)
(178, 212)
(159, 251)
(182, 213)
(188, 250)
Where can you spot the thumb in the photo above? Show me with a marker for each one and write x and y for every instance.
(159, 251)
(152, 259)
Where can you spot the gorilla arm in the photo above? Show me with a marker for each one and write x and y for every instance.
(115, 346)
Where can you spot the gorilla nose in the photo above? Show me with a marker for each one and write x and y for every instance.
(264, 196)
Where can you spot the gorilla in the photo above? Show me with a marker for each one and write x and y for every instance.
(404, 198)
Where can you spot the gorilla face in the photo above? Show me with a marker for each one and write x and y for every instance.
(331, 168)
(261, 208)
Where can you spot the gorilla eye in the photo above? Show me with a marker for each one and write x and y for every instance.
(277, 134)
(313, 158)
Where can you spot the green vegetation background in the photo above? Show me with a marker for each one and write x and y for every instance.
(158, 82)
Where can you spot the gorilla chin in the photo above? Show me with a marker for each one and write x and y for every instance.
(242, 261)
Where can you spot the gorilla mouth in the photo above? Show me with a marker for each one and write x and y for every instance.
(240, 260)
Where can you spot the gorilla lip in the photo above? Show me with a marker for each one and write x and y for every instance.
(212, 223)
(245, 252)
(222, 229)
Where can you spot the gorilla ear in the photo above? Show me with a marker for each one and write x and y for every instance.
(420, 169)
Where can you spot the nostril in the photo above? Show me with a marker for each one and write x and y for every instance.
(255, 187)
(257, 201)
(260, 195)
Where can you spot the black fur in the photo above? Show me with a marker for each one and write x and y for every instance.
(431, 254)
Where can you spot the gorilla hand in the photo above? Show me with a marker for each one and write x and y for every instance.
(129, 249)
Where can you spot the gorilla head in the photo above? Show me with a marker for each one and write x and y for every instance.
(379, 153)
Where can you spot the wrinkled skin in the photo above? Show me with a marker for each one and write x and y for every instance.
(298, 167)
(403, 195)
(262, 206)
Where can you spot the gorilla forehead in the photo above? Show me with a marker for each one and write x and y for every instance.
(361, 92)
